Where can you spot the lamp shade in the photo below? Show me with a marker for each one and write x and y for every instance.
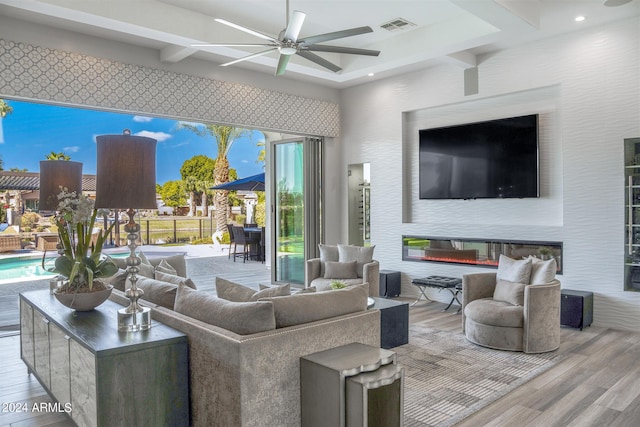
(55, 174)
(126, 172)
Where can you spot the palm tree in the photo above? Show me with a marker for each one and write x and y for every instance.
(5, 109)
(191, 185)
(225, 136)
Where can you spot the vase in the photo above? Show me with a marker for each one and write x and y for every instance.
(83, 301)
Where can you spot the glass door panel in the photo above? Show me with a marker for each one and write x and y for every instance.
(289, 212)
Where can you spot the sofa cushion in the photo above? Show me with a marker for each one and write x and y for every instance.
(165, 267)
(511, 270)
(510, 292)
(144, 269)
(157, 292)
(542, 271)
(309, 307)
(119, 280)
(361, 254)
(176, 280)
(239, 293)
(341, 270)
(495, 313)
(242, 318)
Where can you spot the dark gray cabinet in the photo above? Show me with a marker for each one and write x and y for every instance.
(100, 376)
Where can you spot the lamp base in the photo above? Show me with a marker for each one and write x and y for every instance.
(133, 321)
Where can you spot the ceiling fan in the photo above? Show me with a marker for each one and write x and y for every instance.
(288, 43)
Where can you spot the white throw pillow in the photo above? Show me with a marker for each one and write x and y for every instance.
(511, 270)
(510, 292)
(542, 271)
(361, 254)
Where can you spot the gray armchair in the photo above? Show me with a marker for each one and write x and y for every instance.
(351, 265)
(533, 327)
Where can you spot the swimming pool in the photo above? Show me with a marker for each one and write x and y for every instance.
(30, 268)
(19, 269)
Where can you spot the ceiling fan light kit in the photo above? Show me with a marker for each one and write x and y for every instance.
(288, 44)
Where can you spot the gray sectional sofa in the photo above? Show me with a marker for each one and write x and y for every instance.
(254, 379)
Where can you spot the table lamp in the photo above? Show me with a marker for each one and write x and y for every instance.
(56, 175)
(126, 179)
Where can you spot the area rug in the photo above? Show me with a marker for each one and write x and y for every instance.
(447, 378)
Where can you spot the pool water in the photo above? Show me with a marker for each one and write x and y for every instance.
(22, 269)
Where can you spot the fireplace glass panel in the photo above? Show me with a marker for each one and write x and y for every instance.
(479, 252)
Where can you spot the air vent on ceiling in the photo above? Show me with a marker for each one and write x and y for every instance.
(397, 24)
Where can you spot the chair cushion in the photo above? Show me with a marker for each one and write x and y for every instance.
(542, 271)
(308, 307)
(236, 292)
(495, 313)
(242, 318)
(511, 270)
(327, 253)
(361, 254)
(510, 292)
(341, 270)
(321, 284)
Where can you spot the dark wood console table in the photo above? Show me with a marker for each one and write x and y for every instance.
(103, 377)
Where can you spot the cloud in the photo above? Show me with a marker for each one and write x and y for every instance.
(158, 136)
(72, 149)
(196, 124)
(142, 119)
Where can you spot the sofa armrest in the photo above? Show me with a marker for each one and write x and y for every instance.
(312, 270)
(476, 286)
(541, 317)
(371, 275)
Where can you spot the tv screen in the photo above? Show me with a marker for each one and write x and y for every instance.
(492, 159)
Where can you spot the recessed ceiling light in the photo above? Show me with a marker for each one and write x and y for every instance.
(370, 74)
(580, 18)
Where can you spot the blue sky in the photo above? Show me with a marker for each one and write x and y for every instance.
(32, 131)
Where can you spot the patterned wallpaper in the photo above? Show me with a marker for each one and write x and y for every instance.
(37, 73)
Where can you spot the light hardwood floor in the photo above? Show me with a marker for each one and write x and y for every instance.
(597, 383)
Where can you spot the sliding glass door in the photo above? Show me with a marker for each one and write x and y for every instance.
(295, 206)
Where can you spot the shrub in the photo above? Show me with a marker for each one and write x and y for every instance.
(29, 220)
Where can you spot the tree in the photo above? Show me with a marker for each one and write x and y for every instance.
(197, 173)
(172, 193)
(225, 136)
(5, 109)
(57, 156)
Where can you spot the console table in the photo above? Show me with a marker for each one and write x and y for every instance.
(101, 376)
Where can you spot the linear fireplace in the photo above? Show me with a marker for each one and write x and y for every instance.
(478, 252)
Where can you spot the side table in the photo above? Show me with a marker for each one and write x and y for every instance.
(394, 322)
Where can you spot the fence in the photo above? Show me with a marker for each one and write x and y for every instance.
(156, 231)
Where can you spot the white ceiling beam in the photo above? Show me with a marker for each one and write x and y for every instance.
(173, 53)
(462, 59)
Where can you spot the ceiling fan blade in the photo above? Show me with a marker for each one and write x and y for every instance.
(319, 60)
(282, 64)
(244, 58)
(340, 49)
(230, 45)
(294, 26)
(335, 35)
(247, 30)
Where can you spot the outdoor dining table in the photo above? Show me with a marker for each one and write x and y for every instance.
(254, 234)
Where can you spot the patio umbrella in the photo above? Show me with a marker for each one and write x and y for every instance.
(250, 183)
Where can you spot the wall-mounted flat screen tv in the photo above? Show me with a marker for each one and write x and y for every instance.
(491, 159)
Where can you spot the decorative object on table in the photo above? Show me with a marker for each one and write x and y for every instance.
(126, 179)
(80, 258)
(337, 284)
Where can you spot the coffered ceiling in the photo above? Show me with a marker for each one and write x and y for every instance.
(418, 33)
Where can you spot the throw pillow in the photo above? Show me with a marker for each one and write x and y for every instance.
(361, 254)
(510, 292)
(176, 280)
(119, 280)
(542, 271)
(242, 318)
(341, 270)
(272, 291)
(231, 291)
(327, 253)
(511, 270)
(165, 267)
(157, 292)
(308, 307)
